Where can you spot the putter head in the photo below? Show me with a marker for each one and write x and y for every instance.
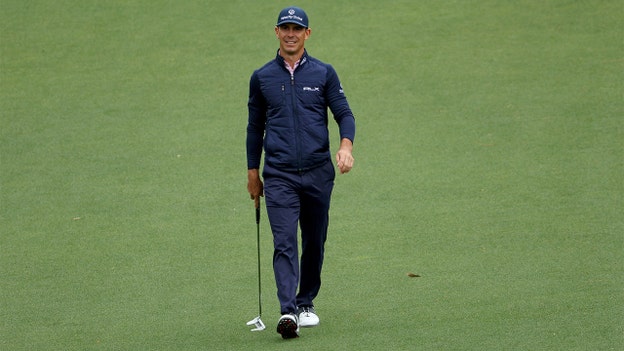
(257, 323)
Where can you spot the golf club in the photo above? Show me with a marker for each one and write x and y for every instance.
(257, 322)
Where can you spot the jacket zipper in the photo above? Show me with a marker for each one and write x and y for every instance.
(296, 121)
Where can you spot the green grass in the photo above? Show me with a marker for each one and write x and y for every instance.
(489, 160)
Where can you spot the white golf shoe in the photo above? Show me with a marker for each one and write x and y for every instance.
(288, 326)
(308, 317)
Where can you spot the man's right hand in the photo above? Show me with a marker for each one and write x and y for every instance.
(255, 186)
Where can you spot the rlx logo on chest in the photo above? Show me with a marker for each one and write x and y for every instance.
(311, 89)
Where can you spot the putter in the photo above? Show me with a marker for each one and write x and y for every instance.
(257, 322)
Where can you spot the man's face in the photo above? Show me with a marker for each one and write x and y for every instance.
(292, 38)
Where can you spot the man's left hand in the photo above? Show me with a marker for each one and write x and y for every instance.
(344, 156)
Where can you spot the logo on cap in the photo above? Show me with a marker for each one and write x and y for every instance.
(292, 15)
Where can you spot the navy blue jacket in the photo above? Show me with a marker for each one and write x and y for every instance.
(288, 114)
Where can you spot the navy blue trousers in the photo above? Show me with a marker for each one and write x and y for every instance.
(298, 199)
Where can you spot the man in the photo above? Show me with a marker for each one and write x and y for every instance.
(288, 101)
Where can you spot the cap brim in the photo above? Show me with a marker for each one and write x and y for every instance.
(291, 21)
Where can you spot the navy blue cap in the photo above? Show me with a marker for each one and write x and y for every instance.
(293, 15)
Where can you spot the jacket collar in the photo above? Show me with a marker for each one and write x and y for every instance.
(302, 60)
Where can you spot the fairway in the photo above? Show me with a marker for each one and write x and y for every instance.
(489, 165)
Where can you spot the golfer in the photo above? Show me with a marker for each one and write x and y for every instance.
(288, 106)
